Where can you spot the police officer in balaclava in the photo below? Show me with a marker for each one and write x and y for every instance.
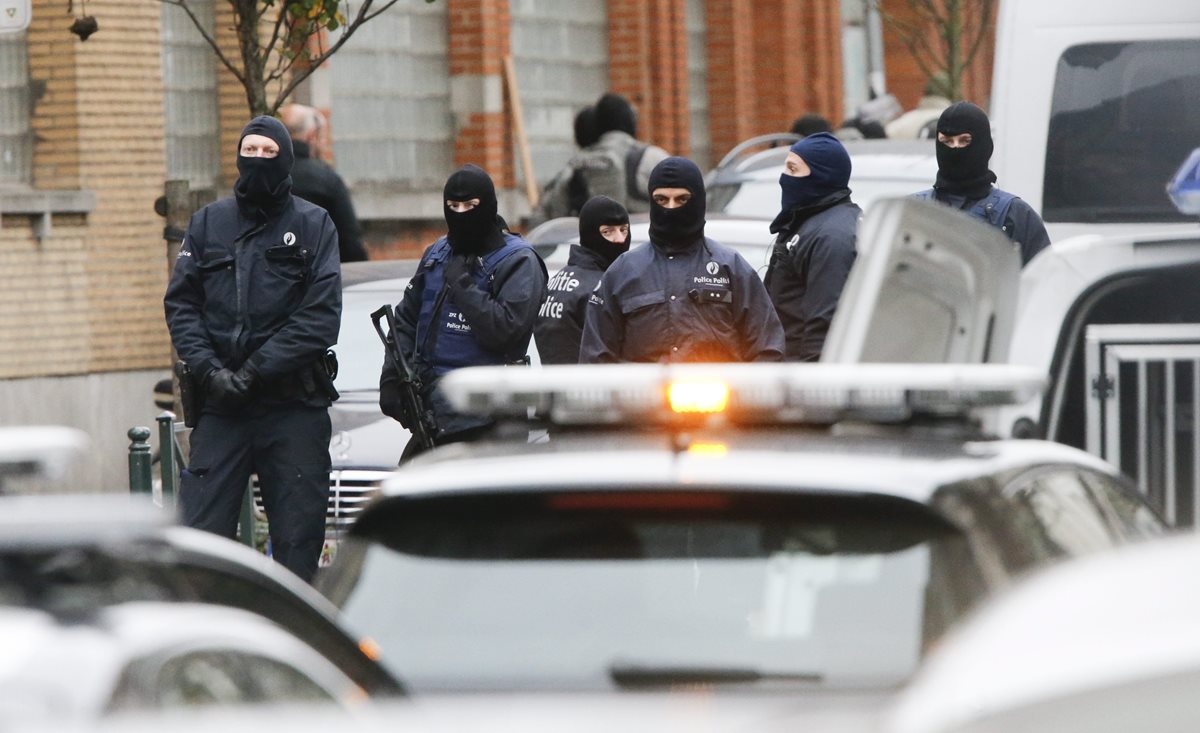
(681, 296)
(603, 237)
(253, 305)
(472, 302)
(964, 181)
(814, 242)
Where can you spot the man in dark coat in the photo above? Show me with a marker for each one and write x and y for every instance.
(603, 237)
(313, 180)
(681, 296)
(964, 148)
(253, 305)
(472, 302)
(814, 243)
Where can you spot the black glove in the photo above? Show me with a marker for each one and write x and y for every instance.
(230, 390)
(391, 402)
(459, 271)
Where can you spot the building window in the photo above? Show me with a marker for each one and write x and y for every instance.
(697, 63)
(1124, 117)
(560, 51)
(190, 84)
(390, 87)
(16, 139)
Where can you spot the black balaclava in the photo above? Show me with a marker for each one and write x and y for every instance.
(478, 230)
(964, 171)
(830, 165)
(586, 133)
(613, 112)
(264, 184)
(685, 225)
(597, 212)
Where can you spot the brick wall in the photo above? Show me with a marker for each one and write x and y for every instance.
(647, 49)
(88, 298)
(479, 40)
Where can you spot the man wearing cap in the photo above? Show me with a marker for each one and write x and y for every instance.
(681, 296)
(472, 302)
(814, 243)
(253, 305)
(964, 148)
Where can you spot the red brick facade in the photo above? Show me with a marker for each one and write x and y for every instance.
(479, 41)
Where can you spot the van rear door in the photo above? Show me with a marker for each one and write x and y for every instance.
(931, 285)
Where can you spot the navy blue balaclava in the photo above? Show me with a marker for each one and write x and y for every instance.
(475, 231)
(830, 165)
(265, 184)
(614, 112)
(586, 133)
(597, 212)
(965, 171)
(685, 225)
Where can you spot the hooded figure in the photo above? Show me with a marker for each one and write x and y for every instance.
(815, 242)
(964, 181)
(586, 131)
(964, 170)
(264, 184)
(614, 112)
(472, 302)
(682, 296)
(253, 305)
(477, 229)
(680, 226)
(603, 237)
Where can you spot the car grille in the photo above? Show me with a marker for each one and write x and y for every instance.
(349, 492)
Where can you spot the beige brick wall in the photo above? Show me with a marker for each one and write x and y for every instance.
(88, 299)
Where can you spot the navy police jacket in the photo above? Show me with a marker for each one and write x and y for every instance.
(444, 328)
(263, 291)
(559, 327)
(1003, 210)
(810, 263)
(703, 302)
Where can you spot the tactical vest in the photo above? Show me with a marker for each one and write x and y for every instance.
(992, 208)
(444, 338)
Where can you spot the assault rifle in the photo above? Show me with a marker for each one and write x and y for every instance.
(418, 416)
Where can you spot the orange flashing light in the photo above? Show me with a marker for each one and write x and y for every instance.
(698, 397)
(367, 646)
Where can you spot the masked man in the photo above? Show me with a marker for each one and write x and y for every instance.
(472, 302)
(681, 296)
(253, 305)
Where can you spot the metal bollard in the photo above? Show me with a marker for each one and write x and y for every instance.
(141, 480)
(167, 469)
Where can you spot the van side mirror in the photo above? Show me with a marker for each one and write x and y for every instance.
(1184, 188)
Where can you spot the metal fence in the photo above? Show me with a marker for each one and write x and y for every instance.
(1143, 410)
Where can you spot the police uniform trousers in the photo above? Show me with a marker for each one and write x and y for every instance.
(288, 447)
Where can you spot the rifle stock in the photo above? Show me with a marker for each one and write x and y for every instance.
(420, 417)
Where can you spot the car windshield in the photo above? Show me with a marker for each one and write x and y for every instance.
(360, 354)
(516, 598)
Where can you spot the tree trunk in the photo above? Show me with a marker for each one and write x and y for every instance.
(253, 62)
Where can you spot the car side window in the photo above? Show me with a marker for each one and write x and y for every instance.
(1070, 516)
(275, 681)
(202, 678)
(1133, 517)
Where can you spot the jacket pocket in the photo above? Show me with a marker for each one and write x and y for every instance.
(217, 277)
(287, 263)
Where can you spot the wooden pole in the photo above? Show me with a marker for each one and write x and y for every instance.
(514, 98)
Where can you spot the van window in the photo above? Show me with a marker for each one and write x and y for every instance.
(1123, 118)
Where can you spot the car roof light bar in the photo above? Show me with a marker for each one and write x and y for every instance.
(614, 394)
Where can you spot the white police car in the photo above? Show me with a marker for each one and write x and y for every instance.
(762, 529)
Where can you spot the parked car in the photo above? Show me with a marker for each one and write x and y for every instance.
(79, 664)
(784, 532)
(748, 185)
(79, 555)
(1102, 644)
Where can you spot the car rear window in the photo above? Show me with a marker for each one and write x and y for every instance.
(606, 589)
(1123, 118)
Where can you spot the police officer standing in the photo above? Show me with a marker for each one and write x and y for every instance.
(964, 148)
(814, 244)
(682, 296)
(472, 302)
(603, 237)
(253, 305)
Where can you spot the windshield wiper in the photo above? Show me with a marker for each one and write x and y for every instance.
(630, 675)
